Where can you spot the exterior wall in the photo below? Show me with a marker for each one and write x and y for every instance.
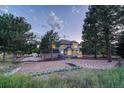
(75, 45)
(69, 52)
(75, 53)
(61, 48)
(53, 45)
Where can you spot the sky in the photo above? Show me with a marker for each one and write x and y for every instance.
(67, 20)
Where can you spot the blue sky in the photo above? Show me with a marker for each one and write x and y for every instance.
(68, 19)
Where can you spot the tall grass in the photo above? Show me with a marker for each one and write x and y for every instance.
(104, 79)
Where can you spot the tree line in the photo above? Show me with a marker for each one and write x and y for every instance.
(102, 28)
(16, 38)
(14, 35)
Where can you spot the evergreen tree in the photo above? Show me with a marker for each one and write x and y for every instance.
(47, 41)
(108, 19)
(120, 48)
(12, 33)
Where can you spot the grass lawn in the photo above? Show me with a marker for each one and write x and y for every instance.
(81, 78)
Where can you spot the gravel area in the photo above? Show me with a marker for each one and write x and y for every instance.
(28, 67)
(93, 64)
(43, 66)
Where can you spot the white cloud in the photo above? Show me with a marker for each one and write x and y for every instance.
(77, 10)
(4, 9)
(54, 21)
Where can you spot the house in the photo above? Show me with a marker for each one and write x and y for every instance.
(69, 48)
(63, 47)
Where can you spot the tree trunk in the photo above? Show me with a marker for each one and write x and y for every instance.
(109, 53)
(51, 54)
(103, 55)
(119, 61)
(14, 57)
(108, 47)
(4, 54)
(51, 51)
(95, 51)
